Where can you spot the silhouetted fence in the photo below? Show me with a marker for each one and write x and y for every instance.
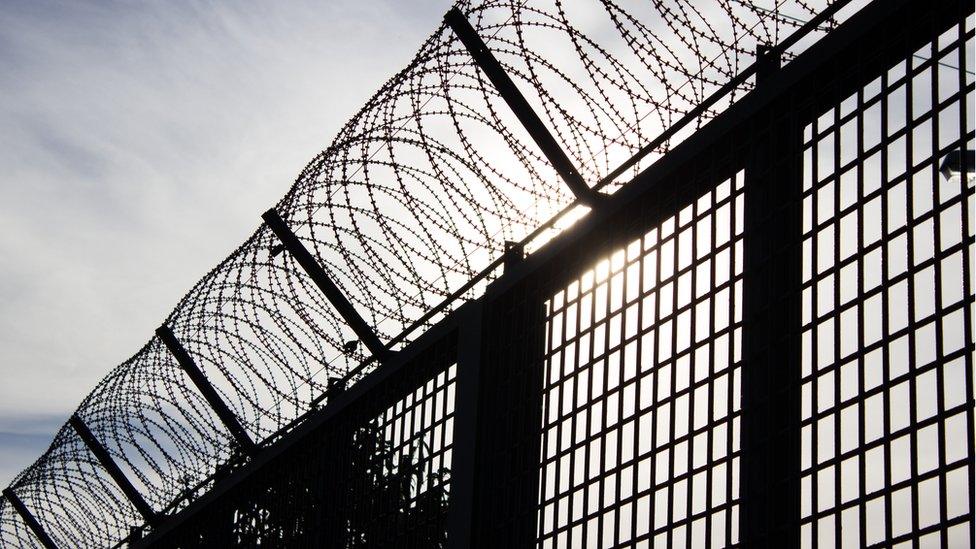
(763, 339)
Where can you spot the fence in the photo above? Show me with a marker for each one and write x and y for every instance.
(765, 338)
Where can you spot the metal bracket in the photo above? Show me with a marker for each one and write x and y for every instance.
(28, 518)
(226, 416)
(768, 61)
(322, 280)
(523, 111)
(113, 469)
(514, 254)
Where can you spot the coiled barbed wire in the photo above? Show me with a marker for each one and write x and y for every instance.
(415, 196)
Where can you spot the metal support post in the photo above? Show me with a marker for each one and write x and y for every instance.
(770, 463)
(29, 519)
(225, 414)
(464, 465)
(523, 111)
(113, 469)
(495, 468)
(322, 280)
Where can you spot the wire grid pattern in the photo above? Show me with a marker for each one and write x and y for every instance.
(887, 389)
(415, 195)
(641, 421)
(397, 438)
(417, 434)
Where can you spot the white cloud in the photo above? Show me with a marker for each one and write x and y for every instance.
(139, 143)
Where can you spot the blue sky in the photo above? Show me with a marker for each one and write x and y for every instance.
(139, 143)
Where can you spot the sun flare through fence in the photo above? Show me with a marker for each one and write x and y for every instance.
(640, 436)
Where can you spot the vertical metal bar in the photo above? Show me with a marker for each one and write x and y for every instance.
(226, 416)
(495, 467)
(655, 362)
(839, 427)
(890, 449)
(464, 462)
(573, 414)
(710, 387)
(523, 111)
(817, 246)
(834, 376)
(322, 280)
(770, 463)
(933, 96)
(672, 382)
(884, 103)
(113, 469)
(689, 428)
(29, 519)
(767, 63)
(966, 157)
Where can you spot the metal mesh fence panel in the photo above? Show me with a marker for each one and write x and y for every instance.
(641, 421)
(377, 474)
(887, 428)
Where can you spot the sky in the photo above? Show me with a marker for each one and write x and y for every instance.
(139, 143)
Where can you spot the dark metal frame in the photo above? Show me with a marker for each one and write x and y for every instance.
(508, 380)
(771, 309)
(500, 360)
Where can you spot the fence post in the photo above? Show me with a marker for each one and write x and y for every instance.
(465, 454)
(510, 419)
(495, 462)
(770, 462)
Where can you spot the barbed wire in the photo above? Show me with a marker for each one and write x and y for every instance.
(417, 194)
